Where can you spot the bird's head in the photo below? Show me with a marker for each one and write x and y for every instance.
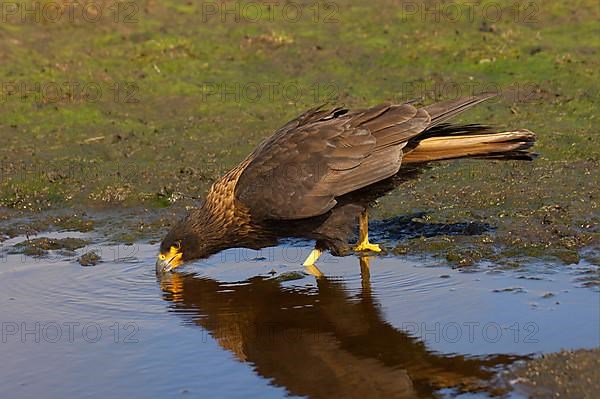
(170, 256)
(192, 238)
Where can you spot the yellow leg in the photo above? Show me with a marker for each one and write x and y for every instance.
(313, 271)
(365, 268)
(312, 257)
(365, 276)
(309, 263)
(363, 241)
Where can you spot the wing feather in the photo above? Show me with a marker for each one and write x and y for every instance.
(300, 170)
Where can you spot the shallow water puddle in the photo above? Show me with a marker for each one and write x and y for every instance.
(252, 323)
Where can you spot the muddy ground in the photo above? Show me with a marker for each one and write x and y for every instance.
(567, 374)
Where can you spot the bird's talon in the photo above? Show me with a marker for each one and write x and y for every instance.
(367, 247)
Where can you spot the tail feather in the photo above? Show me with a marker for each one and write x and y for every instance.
(442, 111)
(487, 145)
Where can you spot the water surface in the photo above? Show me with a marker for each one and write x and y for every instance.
(255, 323)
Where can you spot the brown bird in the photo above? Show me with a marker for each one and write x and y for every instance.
(315, 176)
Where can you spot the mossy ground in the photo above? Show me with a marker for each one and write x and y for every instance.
(150, 103)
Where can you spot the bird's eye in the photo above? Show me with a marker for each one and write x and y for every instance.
(177, 245)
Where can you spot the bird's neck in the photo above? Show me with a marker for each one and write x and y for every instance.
(225, 217)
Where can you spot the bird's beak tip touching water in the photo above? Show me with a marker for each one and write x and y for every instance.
(166, 262)
(162, 266)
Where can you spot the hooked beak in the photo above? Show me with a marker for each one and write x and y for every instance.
(163, 266)
(168, 262)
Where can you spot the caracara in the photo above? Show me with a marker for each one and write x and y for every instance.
(315, 177)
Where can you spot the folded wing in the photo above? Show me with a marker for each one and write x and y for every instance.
(300, 170)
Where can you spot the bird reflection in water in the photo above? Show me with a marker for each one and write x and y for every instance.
(323, 341)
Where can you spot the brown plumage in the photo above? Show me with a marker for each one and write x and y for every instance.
(314, 175)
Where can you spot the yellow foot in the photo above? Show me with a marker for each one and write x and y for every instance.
(367, 246)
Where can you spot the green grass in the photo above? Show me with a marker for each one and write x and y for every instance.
(162, 107)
